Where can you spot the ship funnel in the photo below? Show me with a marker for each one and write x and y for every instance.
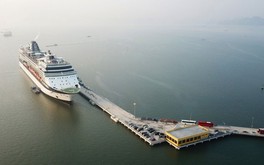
(34, 46)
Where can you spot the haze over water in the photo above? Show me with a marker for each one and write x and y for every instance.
(203, 72)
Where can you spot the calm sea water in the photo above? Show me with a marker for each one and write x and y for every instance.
(203, 73)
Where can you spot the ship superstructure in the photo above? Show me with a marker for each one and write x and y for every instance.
(53, 75)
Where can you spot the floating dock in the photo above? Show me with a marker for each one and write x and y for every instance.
(153, 131)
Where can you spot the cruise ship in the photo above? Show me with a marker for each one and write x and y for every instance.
(52, 75)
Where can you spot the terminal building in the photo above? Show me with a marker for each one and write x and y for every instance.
(180, 137)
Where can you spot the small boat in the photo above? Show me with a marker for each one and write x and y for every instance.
(36, 90)
(52, 45)
(7, 33)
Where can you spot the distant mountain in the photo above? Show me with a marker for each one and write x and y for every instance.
(253, 21)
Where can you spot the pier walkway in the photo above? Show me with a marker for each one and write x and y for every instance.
(153, 131)
(150, 131)
(239, 130)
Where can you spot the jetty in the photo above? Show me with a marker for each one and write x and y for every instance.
(155, 131)
(151, 131)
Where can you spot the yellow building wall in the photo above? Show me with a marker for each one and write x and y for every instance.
(186, 140)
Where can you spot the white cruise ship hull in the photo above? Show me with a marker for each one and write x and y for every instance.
(49, 92)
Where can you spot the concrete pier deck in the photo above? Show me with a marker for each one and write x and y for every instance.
(141, 128)
(152, 131)
(239, 130)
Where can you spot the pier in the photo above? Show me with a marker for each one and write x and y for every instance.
(150, 131)
(239, 130)
(153, 131)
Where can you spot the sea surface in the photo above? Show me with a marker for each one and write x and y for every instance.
(211, 73)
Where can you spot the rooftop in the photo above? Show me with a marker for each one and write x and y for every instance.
(187, 131)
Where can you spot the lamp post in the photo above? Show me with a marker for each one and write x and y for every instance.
(134, 104)
(252, 122)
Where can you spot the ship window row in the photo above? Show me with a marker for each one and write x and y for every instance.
(58, 71)
(65, 84)
(52, 78)
(60, 74)
(57, 68)
(61, 81)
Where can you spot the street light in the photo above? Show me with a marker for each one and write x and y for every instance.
(134, 104)
(252, 122)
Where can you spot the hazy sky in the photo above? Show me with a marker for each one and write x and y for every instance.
(14, 13)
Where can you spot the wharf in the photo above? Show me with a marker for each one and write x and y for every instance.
(153, 131)
(239, 130)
